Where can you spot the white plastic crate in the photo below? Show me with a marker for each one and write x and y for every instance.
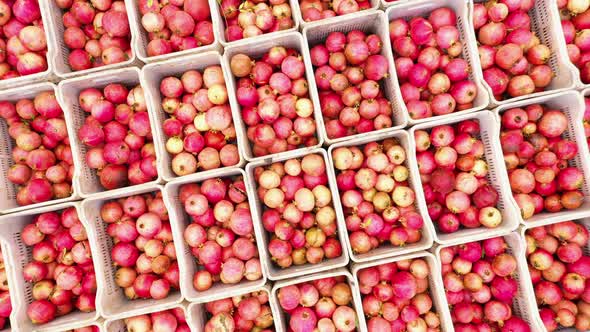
(571, 103)
(369, 22)
(497, 178)
(409, 9)
(140, 41)
(187, 262)
(45, 76)
(17, 255)
(298, 15)
(524, 304)
(59, 57)
(88, 182)
(114, 303)
(256, 206)
(535, 307)
(547, 27)
(435, 285)
(386, 249)
(281, 322)
(118, 324)
(197, 316)
(151, 76)
(8, 194)
(219, 27)
(255, 49)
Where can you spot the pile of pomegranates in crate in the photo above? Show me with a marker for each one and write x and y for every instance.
(143, 249)
(433, 76)
(43, 164)
(324, 304)
(200, 130)
(221, 234)
(396, 296)
(298, 211)
(61, 269)
(96, 32)
(5, 304)
(349, 72)
(313, 10)
(378, 202)
(538, 158)
(513, 59)
(247, 312)
(559, 268)
(575, 23)
(244, 18)
(480, 280)
(174, 26)
(22, 39)
(453, 169)
(275, 103)
(118, 135)
(167, 320)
